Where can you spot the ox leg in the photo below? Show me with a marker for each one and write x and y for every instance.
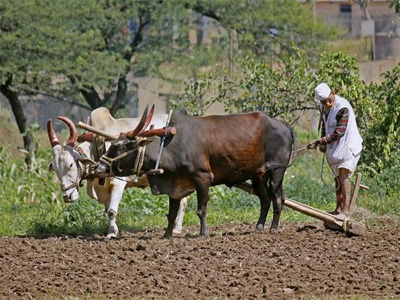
(265, 202)
(203, 196)
(172, 213)
(181, 213)
(113, 228)
(118, 187)
(275, 191)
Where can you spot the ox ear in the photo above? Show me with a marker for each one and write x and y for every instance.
(84, 159)
(50, 167)
(87, 161)
(144, 141)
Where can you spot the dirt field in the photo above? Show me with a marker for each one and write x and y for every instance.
(300, 261)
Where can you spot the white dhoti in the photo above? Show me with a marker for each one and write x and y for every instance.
(349, 164)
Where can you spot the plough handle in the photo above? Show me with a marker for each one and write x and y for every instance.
(312, 212)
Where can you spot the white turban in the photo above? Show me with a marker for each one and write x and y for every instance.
(322, 91)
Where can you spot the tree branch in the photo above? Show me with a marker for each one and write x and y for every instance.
(62, 99)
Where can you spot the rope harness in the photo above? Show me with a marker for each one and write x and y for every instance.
(82, 172)
(139, 157)
(138, 162)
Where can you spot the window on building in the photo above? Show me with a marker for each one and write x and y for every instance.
(345, 8)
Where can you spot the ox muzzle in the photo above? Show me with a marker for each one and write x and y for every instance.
(71, 195)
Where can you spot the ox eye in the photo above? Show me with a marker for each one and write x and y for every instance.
(70, 166)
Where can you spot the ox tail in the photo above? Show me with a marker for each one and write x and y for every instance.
(293, 153)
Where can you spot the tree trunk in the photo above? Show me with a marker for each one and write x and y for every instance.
(16, 106)
(120, 96)
(92, 98)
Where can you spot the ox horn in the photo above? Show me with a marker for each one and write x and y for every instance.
(73, 133)
(52, 135)
(144, 122)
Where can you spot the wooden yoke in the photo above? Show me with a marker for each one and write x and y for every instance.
(108, 136)
(159, 132)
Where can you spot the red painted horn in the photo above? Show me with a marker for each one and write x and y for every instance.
(73, 133)
(144, 122)
(52, 135)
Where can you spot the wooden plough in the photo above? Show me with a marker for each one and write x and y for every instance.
(330, 221)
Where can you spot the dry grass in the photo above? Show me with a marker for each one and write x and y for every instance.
(9, 134)
(359, 48)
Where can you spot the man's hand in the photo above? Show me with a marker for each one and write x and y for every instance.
(322, 148)
(313, 144)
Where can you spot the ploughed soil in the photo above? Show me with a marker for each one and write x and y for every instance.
(300, 261)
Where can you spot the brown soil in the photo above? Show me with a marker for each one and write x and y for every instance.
(300, 261)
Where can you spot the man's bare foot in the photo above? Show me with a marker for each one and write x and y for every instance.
(342, 216)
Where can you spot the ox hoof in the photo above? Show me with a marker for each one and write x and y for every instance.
(177, 230)
(112, 232)
(111, 236)
(273, 230)
(259, 228)
(167, 235)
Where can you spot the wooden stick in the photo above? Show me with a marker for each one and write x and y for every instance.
(355, 193)
(97, 131)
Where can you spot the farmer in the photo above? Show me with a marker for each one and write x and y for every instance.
(341, 142)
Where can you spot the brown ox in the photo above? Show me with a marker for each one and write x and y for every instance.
(208, 151)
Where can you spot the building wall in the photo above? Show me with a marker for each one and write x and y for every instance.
(330, 11)
(372, 71)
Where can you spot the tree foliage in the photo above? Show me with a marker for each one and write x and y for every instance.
(268, 29)
(42, 39)
(396, 5)
(281, 90)
(92, 45)
(383, 135)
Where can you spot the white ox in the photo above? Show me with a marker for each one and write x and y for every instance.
(71, 164)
